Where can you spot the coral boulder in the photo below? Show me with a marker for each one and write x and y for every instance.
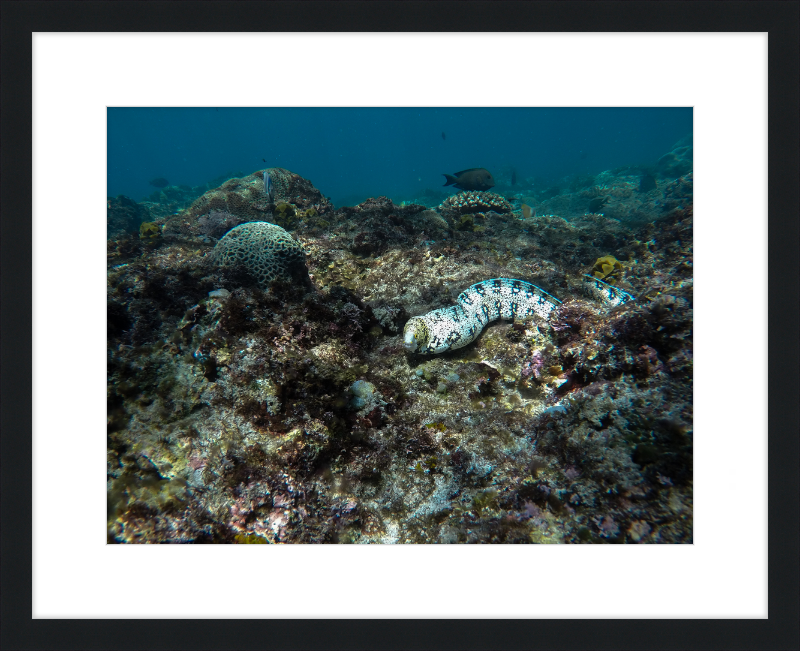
(263, 251)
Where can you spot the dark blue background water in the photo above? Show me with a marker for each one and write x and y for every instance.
(352, 153)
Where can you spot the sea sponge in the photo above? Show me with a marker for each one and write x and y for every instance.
(606, 268)
(266, 251)
(472, 202)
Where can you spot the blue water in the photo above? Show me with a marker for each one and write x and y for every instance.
(350, 154)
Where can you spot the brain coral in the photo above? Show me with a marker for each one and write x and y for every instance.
(473, 202)
(264, 250)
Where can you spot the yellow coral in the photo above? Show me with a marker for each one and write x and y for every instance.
(149, 231)
(606, 267)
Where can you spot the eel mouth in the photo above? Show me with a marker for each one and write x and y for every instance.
(410, 340)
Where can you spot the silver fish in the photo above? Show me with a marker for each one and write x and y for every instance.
(268, 187)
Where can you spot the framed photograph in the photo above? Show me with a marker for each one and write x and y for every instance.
(405, 294)
(280, 367)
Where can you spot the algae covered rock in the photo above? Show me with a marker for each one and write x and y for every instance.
(124, 215)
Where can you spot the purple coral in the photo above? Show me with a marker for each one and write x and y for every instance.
(534, 365)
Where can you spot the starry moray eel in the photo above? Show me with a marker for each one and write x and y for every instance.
(604, 292)
(449, 328)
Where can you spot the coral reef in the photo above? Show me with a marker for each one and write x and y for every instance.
(634, 195)
(376, 225)
(245, 200)
(470, 202)
(247, 412)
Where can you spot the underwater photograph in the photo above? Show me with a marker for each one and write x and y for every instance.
(400, 325)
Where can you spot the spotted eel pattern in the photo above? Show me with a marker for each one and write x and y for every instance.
(453, 327)
(604, 292)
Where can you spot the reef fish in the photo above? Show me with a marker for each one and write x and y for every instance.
(268, 187)
(514, 178)
(647, 182)
(476, 178)
(159, 182)
(443, 136)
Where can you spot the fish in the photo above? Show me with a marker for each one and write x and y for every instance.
(597, 203)
(647, 182)
(526, 211)
(159, 182)
(443, 136)
(268, 187)
(476, 178)
(514, 177)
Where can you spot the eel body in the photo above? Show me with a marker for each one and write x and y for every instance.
(449, 328)
(604, 292)
(453, 327)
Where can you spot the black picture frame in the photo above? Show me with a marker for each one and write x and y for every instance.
(780, 19)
